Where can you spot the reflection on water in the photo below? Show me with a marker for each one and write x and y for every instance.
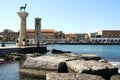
(10, 71)
(29, 78)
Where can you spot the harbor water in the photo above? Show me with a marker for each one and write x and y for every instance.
(10, 71)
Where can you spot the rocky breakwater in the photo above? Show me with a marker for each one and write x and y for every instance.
(72, 76)
(89, 57)
(68, 67)
(103, 69)
(40, 66)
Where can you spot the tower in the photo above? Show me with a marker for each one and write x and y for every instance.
(23, 15)
(37, 30)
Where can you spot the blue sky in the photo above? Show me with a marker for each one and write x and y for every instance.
(76, 16)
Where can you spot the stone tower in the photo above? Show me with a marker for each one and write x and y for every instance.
(22, 33)
(37, 30)
(23, 16)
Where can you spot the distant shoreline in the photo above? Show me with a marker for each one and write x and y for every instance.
(9, 42)
(86, 43)
(72, 43)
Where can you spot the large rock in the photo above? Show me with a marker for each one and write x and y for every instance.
(34, 72)
(45, 63)
(115, 77)
(90, 56)
(40, 66)
(72, 76)
(92, 67)
(55, 51)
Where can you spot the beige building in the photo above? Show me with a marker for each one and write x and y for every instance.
(105, 36)
(102, 36)
(109, 33)
(70, 36)
(47, 35)
(76, 37)
(81, 37)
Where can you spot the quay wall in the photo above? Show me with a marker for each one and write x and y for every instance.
(23, 49)
(87, 43)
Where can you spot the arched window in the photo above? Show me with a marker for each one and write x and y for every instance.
(112, 40)
(107, 39)
(104, 40)
(100, 40)
(96, 40)
(116, 40)
(119, 40)
(92, 40)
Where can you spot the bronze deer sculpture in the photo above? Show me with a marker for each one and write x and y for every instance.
(23, 7)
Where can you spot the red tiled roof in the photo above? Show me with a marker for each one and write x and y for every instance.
(47, 30)
(30, 30)
(42, 30)
(70, 34)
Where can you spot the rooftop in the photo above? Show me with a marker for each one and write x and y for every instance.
(42, 30)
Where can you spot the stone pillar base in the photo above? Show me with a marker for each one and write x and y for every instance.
(19, 44)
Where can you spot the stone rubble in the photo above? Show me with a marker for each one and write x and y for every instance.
(105, 70)
(90, 57)
(115, 77)
(72, 76)
(69, 64)
(44, 62)
(81, 65)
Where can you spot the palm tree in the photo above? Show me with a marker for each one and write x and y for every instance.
(56, 35)
(59, 35)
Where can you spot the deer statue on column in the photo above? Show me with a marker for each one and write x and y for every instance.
(23, 7)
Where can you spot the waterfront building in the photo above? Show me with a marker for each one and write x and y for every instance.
(52, 36)
(76, 37)
(47, 35)
(70, 37)
(81, 37)
(105, 36)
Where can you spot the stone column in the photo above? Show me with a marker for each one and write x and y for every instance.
(22, 33)
(37, 30)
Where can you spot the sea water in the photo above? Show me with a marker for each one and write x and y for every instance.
(105, 51)
(111, 53)
(10, 71)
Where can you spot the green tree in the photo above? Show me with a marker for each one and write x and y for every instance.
(6, 34)
(13, 38)
(56, 35)
(59, 35)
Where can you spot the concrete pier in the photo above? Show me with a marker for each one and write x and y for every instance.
(23, 49)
